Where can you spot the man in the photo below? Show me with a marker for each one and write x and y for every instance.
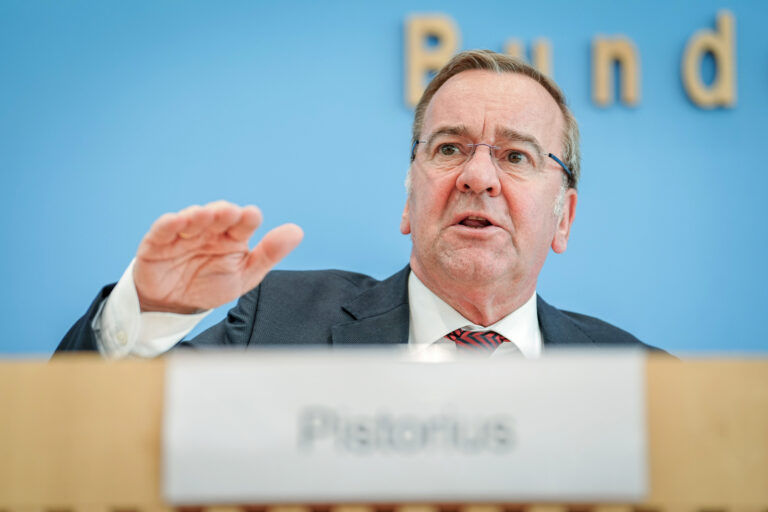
(491, 187)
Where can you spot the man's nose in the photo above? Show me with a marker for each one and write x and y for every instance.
(479, 173)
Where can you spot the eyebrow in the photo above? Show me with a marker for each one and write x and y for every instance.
(510, 134)
(458, 130)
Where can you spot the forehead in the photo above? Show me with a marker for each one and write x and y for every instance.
(485, 102)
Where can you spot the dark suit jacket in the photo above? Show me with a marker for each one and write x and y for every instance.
(334, 307)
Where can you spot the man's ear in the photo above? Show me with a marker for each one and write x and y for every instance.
(563, 228)
(405, 220)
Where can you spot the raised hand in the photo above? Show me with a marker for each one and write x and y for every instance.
(198, 258)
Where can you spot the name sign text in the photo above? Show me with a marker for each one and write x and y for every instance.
(311, 427)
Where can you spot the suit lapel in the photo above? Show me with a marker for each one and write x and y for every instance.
(380, 314)
(557, 330)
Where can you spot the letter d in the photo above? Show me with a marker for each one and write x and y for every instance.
(720, 44)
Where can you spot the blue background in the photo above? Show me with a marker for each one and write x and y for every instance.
(112, 113)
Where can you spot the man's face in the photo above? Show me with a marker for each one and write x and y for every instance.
(474, 224)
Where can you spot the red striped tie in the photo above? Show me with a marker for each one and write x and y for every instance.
(476, 341)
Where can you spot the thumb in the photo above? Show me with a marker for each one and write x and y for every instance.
(269, 251)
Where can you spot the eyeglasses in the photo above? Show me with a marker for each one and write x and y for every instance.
(519, 158)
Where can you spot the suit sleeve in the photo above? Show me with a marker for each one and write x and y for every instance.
(235, 330)
(81, 337)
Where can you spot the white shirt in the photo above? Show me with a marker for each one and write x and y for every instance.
(121, 329)
(432, 318)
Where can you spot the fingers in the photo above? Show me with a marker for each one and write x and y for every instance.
(225, 215)
(215, 218)
(197, 219)
(165, 229)
(187, 223)
(249, 220)
(270, 250)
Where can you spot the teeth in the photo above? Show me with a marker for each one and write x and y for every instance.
(472, 217)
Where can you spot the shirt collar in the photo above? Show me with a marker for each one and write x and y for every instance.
(431, 318)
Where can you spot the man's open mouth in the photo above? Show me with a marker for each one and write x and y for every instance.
(473, 221)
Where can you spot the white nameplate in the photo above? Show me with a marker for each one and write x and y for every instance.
(383, 427)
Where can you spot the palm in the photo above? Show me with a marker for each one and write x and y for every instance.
(199, 258)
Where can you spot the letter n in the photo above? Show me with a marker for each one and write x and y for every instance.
(606, 51)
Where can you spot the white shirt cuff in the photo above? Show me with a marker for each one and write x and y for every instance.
(121, 328)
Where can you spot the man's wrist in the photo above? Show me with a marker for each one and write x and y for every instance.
(122, 328)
